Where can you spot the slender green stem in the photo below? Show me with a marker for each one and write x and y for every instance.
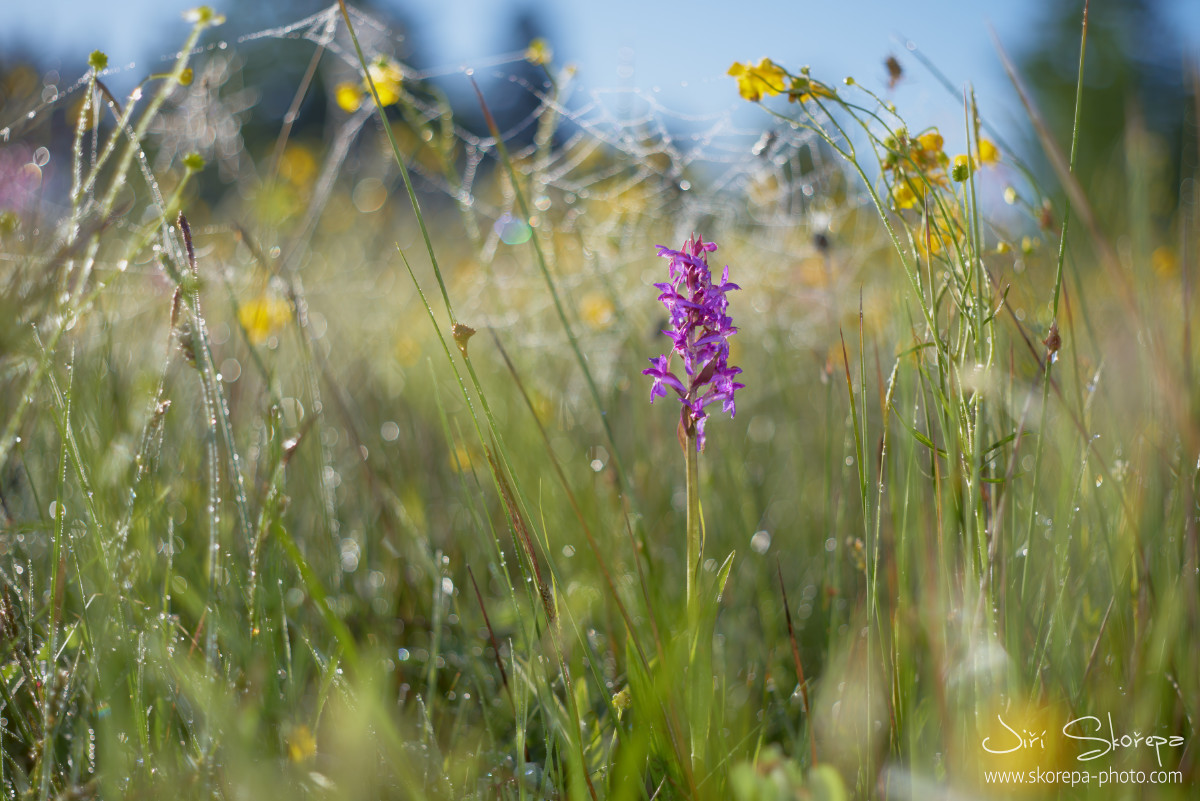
(695, 536)
(1058, 280)
(391, 137)
(699, 693)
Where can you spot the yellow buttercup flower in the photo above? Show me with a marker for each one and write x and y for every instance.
(464, 458)
(915, 164)
(962, 168)
(754, 81)
(903, 196)
(597, 311)
(931, 142)
(938, 230)
(263, 316)
(539, 53)
(988, 152)
(348, 97)
(1164, 261)
(805, 89)
(298, 166)
(385, 74)
(301, 744)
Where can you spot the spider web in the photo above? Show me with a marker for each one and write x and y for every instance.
(611, 170)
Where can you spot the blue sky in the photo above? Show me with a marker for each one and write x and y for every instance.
(681, 49)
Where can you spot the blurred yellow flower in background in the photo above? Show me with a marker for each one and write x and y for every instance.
(301, 745)
(1164, 261)
(987, 155)
(988, 152)
(407, 351)
(903, 196)
(1020, 735)
(803, 90)
(464, 458)
(596, 310)
(962, 167)
(348, 96)
(915, 164)
(298, 165)
(539, 53)
(388, 78)
(263, 316)
(938, 231)
(754, 81)
(931, 142)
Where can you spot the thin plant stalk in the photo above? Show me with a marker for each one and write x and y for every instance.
(695, 537)
(1058, 279)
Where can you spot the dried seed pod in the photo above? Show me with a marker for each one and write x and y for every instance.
(1046, 215)
(894, 70)
(186, 230)
(462, 333)
(1052, 341)
(187, 341)
(821, 243)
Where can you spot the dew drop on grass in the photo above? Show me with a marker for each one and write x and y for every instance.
(760, 542)
(511, 230)
(369, 195)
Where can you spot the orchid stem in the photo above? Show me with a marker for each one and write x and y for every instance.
(695, 539)
(699, 632)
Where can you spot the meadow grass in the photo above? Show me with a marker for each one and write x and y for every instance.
(280, 518)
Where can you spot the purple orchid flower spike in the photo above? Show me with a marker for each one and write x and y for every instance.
(699, 333)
